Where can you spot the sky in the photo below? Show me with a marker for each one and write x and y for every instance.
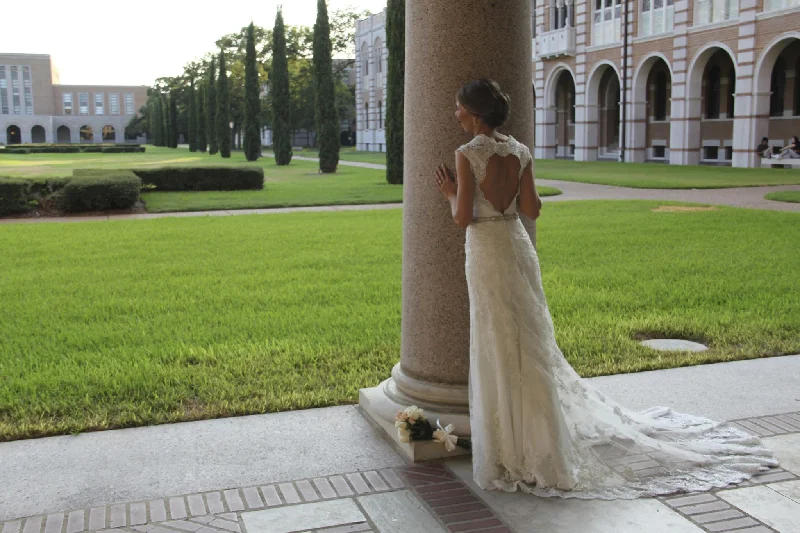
(134, 42)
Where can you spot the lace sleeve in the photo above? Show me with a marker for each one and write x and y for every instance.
(469, 152)
(524, 158)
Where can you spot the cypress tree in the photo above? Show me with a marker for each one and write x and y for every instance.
(395, 82)
(223, 109)
(211, 109)
(165, 121)
(252, 109)
(279, 87)
(156, 120)
(192, 118)
(202, 141)
(173, 120)
(325, 112)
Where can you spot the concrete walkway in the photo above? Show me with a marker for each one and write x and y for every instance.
(302, 466)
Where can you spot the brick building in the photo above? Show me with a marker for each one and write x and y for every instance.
(703, 80)
(35, 108)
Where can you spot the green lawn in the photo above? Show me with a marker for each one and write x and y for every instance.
(348, 154)
(784, 196)
(126, 323)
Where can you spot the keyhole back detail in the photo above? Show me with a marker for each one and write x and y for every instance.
(497, 176)
(500, 184)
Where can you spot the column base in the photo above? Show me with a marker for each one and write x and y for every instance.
(380, 405)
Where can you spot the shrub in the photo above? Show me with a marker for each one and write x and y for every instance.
(202, 178)
(122, 149)
(14, 195)
(95, 191)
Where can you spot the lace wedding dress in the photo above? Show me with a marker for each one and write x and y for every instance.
(536, 425)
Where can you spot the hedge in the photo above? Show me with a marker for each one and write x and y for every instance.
(96, 192)
(73, 149)
(202, 178)
(14, 195)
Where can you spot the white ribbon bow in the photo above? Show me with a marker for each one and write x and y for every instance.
(444, 434)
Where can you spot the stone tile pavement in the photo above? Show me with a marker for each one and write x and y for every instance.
(440, 498)
(248, 478)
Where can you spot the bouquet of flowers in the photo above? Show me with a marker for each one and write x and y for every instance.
(412, 425)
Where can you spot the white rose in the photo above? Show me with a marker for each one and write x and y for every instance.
(414, 413)
(400, 425)
(404, 434)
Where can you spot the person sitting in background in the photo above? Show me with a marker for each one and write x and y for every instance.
(764, 149)
(792, 151)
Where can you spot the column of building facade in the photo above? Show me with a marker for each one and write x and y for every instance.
(636, 127)
(748, 126)
(586, 118)
(372, 119)
(545, 136)
(682, 109)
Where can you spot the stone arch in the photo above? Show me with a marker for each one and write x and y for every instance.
(86, 133)
(599, 133)
(63, 135)
(773, 54)
(709, 140)
(109, 133)
(552, 79)
(13, 134)
(38, 134)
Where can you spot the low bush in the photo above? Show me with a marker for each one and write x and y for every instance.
(116, 189)
(14, 195)
(202, 178)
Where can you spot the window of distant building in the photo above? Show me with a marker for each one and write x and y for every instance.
(129, 104)
(28, 91)
(772, 5)
(380, 115)
(15, 94)
(113, 103)
(83, 103)
(66, 99)
(3, 91)
(99, 104)
(658, 16)
(607, 17)
(711, 11)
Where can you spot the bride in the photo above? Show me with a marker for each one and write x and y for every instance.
(536, 425)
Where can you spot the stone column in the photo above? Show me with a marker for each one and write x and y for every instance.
(448, 43)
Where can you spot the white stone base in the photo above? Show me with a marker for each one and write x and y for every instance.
(380, 409)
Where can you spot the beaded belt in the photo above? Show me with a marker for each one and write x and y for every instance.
(512, 216)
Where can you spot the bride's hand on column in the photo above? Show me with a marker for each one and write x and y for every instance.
(446, 181)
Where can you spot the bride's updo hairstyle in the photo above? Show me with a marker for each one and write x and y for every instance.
(483, 98)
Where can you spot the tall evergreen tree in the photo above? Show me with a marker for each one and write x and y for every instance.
(252, 103)
(165, 121)
(156, 120)
(211, 109)
(395, 82)
(202, 140)
(325, 113)
(192, 117)
(223, 109)
(173, 120)
(281, 100)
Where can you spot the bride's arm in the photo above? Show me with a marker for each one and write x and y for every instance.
(461, 203)
(529, 202)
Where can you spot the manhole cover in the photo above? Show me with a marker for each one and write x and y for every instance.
(674, 345)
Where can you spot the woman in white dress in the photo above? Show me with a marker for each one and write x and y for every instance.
(536, 425)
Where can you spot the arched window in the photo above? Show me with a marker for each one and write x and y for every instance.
(660, 100)
(712, 92)
(366, 115)
(731, 93)
(109, 133)
(365, 59)
(378, 56)
(380, 115)
(777, 86)
(87, 134)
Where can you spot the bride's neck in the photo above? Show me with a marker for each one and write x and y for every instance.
(489, 132)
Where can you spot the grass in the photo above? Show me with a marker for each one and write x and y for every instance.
(126, 323)
(348, 154)
(784, 196)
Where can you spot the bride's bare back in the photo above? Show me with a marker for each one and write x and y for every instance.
(501, 184)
